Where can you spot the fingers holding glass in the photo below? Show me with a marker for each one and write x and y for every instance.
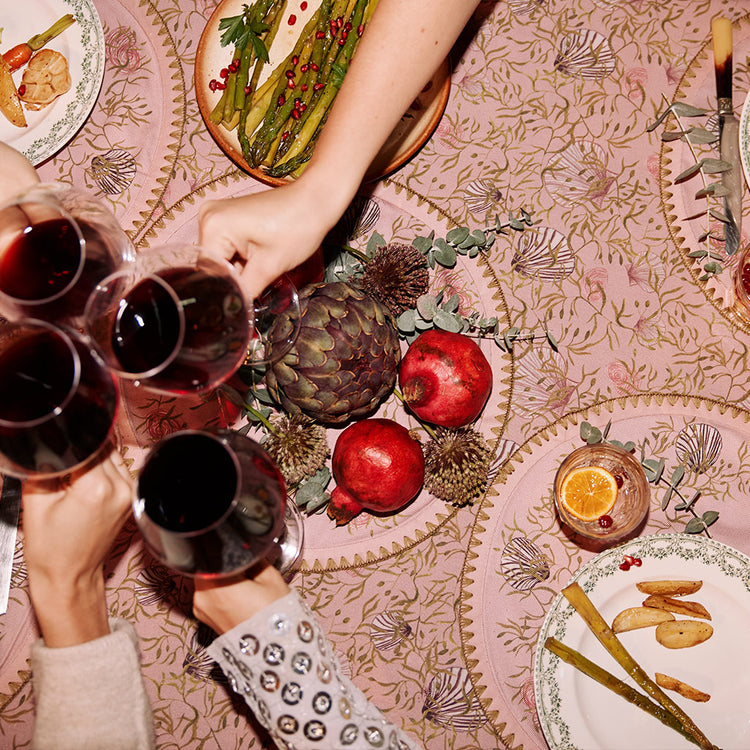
(213, 504)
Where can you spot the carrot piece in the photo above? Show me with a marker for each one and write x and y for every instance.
(18, 56)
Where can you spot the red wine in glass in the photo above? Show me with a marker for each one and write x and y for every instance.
(50, 262)
(210, 504)
(57, 402)
(186, 327)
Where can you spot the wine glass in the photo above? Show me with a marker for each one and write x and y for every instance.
(266, 345)
(56, 243)
(57, 401)
(174, 320)
(212, 504)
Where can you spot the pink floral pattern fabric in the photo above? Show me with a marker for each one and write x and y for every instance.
(549, 112)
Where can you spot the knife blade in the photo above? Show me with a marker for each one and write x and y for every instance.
(10, 505)
(729, 132)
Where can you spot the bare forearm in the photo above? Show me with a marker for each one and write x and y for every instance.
(69, 613)
(403, 45)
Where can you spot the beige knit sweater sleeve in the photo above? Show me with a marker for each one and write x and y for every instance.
(91, 696)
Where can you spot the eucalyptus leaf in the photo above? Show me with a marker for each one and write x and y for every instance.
(714, 166)
(689, 172)
(457, 236)
(406, 321)
(590, 434)
(701, 135)
(423, 244)
(667, 497)
(448, 321)
(263, 396)
(710, 517)
(694, 526)
(444, 254)
(677, 476)
(426, 307)
(376, 241)
(686, 110)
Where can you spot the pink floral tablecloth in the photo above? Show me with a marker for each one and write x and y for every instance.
(549, 111)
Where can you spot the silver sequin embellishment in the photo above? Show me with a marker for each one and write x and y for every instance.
(374, 736)
(349, 734)
(273, 654)
(249, 644)
(345, 708)
(287, 724)
(301, 662)
(279, 624)
(315, 730)
(291, 693)
(305, 631)
(321, 703)
(324, 673)
(269, 681)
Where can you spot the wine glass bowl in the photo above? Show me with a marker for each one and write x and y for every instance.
(211, 504)
(56, 243)
(173, 320)
(57, 402)
(272, 338)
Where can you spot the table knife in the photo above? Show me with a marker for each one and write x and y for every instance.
(729, 132)
(10, 505)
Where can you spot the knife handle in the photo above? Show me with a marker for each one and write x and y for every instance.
(721, 29)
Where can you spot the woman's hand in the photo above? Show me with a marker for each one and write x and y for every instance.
(225, 603)
(271, 232)
(68, 531)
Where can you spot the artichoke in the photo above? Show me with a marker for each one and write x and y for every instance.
(344, 361)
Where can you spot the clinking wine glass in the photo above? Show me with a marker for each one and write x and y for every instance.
(57, 401)
(56, 244)
(213, 504)
(173, 320)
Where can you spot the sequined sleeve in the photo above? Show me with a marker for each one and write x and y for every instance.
(281, 663)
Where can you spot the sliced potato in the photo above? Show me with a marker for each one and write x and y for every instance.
(683, 633)
(678, 606)
(669, 588)
(685, 690)
(10, 104)
(639, 617)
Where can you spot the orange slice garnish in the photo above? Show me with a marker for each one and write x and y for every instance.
(588, 492)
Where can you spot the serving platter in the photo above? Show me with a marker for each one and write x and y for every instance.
(411, 133)
(82, 43)
(577, 713)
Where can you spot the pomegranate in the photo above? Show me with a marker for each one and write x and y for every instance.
(377, 465)
(445, 378)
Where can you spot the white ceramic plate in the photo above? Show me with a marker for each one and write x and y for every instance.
(577, 713)
(82, 44)
(411, 133)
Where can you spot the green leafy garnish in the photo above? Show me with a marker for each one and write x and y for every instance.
(244, 28)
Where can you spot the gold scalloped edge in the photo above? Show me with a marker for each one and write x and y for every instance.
(179, 122)
(200, 191)
(667, 195)
(552, 429)
(15, 687)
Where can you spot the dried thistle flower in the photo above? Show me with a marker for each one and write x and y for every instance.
(396, 276)
(457, 464)
(298, 446)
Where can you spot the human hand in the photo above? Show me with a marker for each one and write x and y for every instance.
(68, 531)
(272, 232)
(16, 173)
(223, 604)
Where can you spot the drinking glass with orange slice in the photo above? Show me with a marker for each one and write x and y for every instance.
(601, 493)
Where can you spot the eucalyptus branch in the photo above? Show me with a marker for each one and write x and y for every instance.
(654, 470)
(704, 166)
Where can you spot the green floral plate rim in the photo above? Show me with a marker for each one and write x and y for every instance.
(576, 713)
